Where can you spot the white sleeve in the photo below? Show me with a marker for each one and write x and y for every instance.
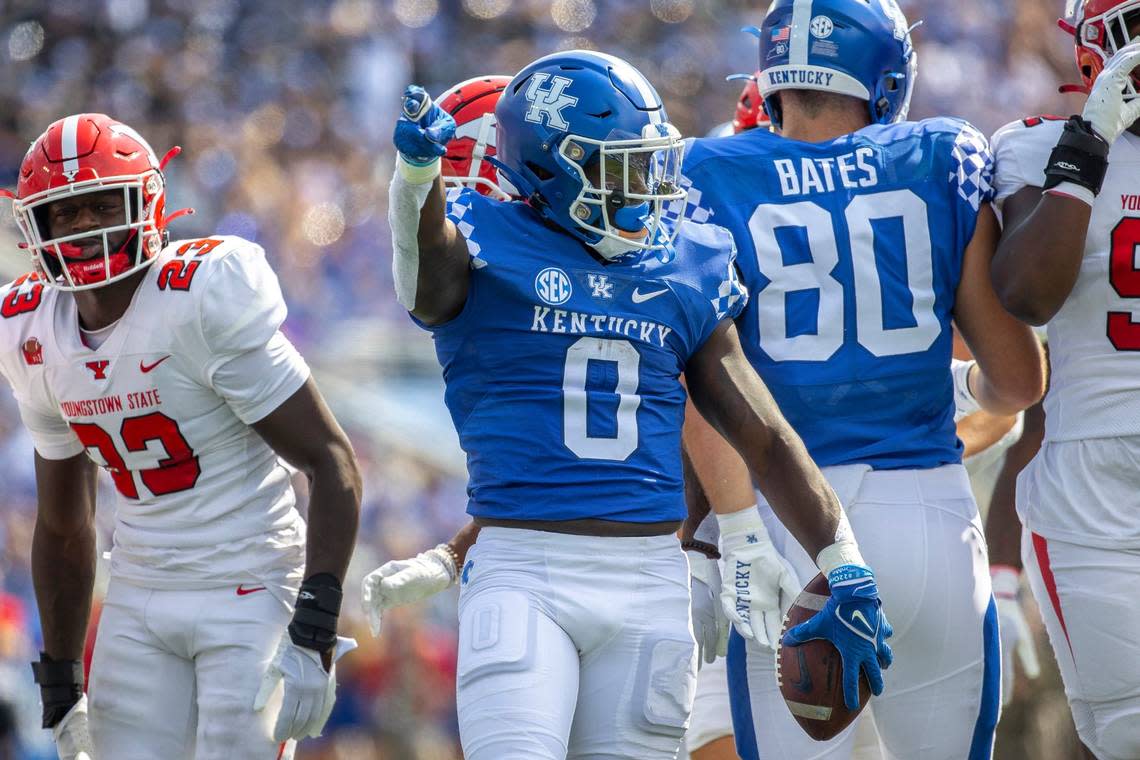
(52, 436)
(1021, 154)
(251, 365)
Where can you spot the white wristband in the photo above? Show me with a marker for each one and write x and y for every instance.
(417, 175)
(965, 403)
(1073, 190)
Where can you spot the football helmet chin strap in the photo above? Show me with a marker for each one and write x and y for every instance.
(407, 194)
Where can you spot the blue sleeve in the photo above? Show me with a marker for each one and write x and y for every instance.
(717, 292)
(971, 174)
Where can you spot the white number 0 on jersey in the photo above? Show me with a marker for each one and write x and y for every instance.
(816, 274)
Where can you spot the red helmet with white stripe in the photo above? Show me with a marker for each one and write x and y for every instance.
(92, 153)
(1101, 27)
(750, 112)
(472, 104)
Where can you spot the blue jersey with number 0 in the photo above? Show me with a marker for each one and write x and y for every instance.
(562, 372)
(852, 252)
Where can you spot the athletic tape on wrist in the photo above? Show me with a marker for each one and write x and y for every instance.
(407, 194)
(838, 554)
(965, 403)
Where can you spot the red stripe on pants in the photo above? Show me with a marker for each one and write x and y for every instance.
(1041, 549)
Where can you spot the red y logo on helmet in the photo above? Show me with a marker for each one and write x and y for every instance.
(99, 367)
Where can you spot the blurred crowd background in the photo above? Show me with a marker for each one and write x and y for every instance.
(284, 112)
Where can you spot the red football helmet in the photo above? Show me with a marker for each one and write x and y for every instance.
(472, 104)
(92, 153)
(750, 112)
(1101, 27)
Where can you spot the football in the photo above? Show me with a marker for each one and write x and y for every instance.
(811, 674)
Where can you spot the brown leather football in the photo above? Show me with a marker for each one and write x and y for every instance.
(811, 674)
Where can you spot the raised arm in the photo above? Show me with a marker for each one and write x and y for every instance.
(430, 262)
(1040, 255)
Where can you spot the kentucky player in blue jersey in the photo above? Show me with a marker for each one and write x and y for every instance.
(860, 237)
(563, 324)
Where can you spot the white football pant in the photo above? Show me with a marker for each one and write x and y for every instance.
(574, 647)
(1089, 595)
(919, 531)
(175, 673)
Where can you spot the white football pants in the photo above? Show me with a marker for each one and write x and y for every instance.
(574, 647)
(174, 673)
(919, 531)
(1089, 600)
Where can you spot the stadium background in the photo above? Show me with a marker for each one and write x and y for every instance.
(285, 112)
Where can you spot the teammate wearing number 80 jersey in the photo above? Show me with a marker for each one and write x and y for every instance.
(861, 236)
(164, 364)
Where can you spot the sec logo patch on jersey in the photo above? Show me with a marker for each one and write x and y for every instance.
(553, 286)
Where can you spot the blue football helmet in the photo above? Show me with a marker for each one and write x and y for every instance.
(584, 137)
(860, 48)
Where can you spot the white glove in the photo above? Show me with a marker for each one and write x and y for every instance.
(403, 581)
(1106, 109)
(1015, 634)
(710, 626)
(310, 690)
(72, 736)
(758, 585)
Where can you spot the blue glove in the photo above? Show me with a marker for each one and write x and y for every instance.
(423, 129)
(853, 621)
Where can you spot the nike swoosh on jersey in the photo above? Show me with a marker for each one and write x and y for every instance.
(639, 297)
(145, 368)
(242, 590)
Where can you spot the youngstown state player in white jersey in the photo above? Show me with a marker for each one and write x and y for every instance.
(861, 237)
(164, 365)
(1068, 259)
(563, 324)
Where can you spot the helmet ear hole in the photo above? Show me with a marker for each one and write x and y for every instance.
(541, 172)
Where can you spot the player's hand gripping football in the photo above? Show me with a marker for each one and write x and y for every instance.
(403, 581)
(852, 620)
(758, 587)
(310, 689)
(72, 736)
(710, 626)
(1016, 639)
(1106, 109)
(423, 128)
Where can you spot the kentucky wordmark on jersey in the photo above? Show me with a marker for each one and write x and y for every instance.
(562, 372)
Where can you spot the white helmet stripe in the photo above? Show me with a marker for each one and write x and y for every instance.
(801, 23)
(649, 98)
(69, 147)
(131, 133)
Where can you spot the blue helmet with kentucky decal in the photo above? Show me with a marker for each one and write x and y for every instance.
(583, 136)
(860, 48)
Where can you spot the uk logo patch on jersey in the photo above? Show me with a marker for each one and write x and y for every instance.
(600, 286)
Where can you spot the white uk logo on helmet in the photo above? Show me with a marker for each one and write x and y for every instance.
(548, 104)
